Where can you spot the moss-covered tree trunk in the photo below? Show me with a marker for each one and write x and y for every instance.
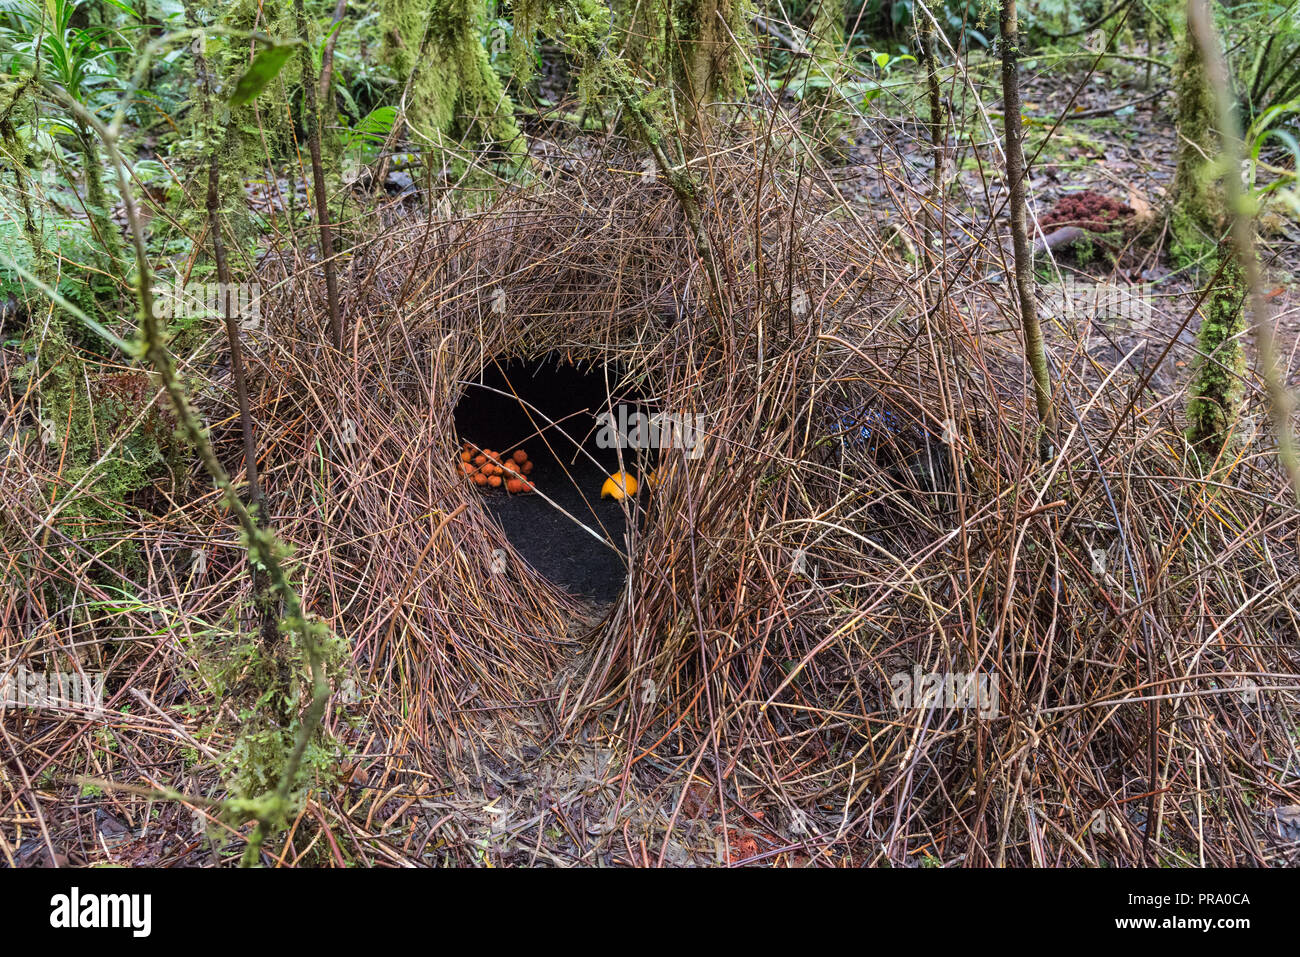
(456, 98)
(1199, 223)
(1197, 216)
(703, 57)
(1218, 380)
(17, 106)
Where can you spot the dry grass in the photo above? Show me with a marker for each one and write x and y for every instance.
(1140, 619)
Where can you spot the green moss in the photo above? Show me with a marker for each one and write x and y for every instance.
(703, 37)
(269, 725)
(401, 22)
(1217, 387)
(456, 96)
(1198, 221)
(83, 410)
(18, 111)
(1197, 217)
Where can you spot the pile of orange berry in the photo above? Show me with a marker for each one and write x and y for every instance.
(490, 469)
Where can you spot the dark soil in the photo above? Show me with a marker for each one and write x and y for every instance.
(548, 539)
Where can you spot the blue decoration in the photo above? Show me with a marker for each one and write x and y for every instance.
(856, 425)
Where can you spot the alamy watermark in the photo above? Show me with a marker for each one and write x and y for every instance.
(664, 430)
(23, 688)
(209, 300)
(974, 691)
(73, 910)
(1076, 299)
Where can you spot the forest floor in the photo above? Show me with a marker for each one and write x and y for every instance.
(1117, 140)
(539, 797)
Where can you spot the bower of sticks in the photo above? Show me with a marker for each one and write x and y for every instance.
(869, 509)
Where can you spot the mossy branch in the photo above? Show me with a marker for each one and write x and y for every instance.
(1241, 209)
(268, 810)
(268, 604)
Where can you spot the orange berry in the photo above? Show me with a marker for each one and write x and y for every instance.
(494, 481)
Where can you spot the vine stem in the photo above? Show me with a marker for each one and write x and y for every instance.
(268, 606)
(312, 121)
(269, 810)
(1035, 352)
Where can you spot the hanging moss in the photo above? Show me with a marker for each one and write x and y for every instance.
(455, 94)
(401, 22)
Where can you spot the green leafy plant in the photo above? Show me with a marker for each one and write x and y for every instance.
(265, 67)
(86, 61)
(1266, 58)
(44, 41)
(369, 133)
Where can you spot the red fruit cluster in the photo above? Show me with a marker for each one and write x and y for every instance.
(1087, 210)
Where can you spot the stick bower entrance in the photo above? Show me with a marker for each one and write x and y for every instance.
(790, 575)
(549, 407)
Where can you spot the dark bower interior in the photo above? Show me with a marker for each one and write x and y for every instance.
(549, 407)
